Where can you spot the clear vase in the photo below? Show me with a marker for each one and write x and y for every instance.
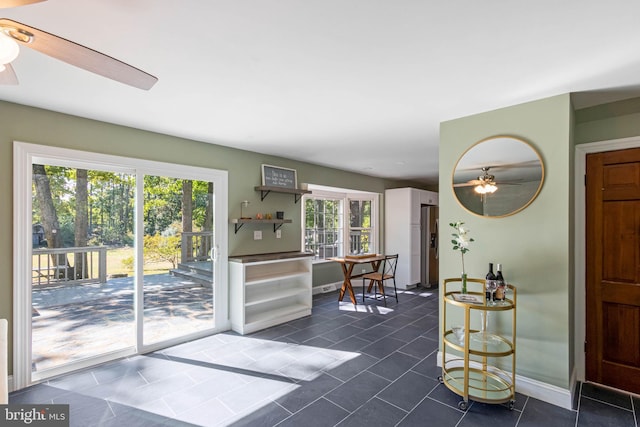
(463, 290)
(483, 336)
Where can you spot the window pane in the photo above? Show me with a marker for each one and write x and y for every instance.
(323, 227)
(360, 231)
(360, 213)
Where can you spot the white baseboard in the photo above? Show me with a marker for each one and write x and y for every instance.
(542, 391)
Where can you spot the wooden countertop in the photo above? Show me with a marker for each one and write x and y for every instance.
(269, 257)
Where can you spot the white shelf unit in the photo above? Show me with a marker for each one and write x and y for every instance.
(268, 293)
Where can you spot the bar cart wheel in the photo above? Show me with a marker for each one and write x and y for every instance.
(463, 405)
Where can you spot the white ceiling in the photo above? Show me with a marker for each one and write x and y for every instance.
(360, 85)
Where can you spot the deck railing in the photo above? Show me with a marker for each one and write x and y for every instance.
(69, 265)
(196, 246)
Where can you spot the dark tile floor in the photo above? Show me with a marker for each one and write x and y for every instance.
(343, 366)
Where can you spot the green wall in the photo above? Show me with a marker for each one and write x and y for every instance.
(534, 244)
(33, 125)
(604, 122)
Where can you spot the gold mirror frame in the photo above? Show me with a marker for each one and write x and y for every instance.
(512, 164)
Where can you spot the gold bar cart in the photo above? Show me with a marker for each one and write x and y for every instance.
(476, 366)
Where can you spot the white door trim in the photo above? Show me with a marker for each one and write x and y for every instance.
(580, 333)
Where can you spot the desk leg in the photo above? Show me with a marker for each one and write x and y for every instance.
(346, 285)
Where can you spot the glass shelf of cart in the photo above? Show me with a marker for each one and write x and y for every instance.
(494, 346)
(483, 386)
(475, 301)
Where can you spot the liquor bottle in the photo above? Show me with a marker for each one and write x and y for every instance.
(500, 290)
(489, 276)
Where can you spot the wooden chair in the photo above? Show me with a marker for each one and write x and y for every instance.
(386, 271)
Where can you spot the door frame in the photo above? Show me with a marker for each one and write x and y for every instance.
(24, 154)
(581, 151)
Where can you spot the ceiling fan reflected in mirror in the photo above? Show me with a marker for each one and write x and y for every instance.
(13, 34)
(484, 184)
(487, 183)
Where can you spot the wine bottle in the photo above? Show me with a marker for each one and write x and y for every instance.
(500, 279)
(489, 276)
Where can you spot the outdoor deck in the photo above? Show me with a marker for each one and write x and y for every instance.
(75, 321)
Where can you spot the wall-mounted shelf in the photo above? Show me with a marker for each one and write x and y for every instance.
(277, 223)
(265, 190)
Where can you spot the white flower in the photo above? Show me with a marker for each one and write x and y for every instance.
(462, 241)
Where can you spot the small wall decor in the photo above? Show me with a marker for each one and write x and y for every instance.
(274, 176)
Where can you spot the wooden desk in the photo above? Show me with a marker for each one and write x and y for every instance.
(348, 263)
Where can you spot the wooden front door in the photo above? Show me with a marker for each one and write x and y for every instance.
(613, 269)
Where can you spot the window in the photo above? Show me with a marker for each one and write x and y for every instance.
(327, 232)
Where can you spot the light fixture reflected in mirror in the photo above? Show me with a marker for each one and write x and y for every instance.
(498, 176)
(487, 183)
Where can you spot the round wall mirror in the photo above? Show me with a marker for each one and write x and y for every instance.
(498, 176)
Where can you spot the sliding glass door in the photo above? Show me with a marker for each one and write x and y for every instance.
(177, 255)
(121, 256)
(81, 285)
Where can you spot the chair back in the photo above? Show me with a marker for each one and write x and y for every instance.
(389, 265)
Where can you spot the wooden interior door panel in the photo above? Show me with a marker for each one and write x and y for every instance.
(620, 237)
(622, 181)
(613, 269)
(617, 319)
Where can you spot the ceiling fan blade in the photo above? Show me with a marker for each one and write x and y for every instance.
(8, 76)
(78, 55)
(468, 183)
(16, 3)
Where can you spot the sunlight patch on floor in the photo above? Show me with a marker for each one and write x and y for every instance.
(364, 308)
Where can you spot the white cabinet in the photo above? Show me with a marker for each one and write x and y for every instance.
(269, 289)
(402, 230)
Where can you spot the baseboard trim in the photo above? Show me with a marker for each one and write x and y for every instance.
(537, 389)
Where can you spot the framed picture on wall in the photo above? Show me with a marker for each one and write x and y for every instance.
(275, 176)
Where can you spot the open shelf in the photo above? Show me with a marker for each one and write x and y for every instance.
(265, 190)
(262, 317)
(267, 277)
(277, 223)
(272, 295)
